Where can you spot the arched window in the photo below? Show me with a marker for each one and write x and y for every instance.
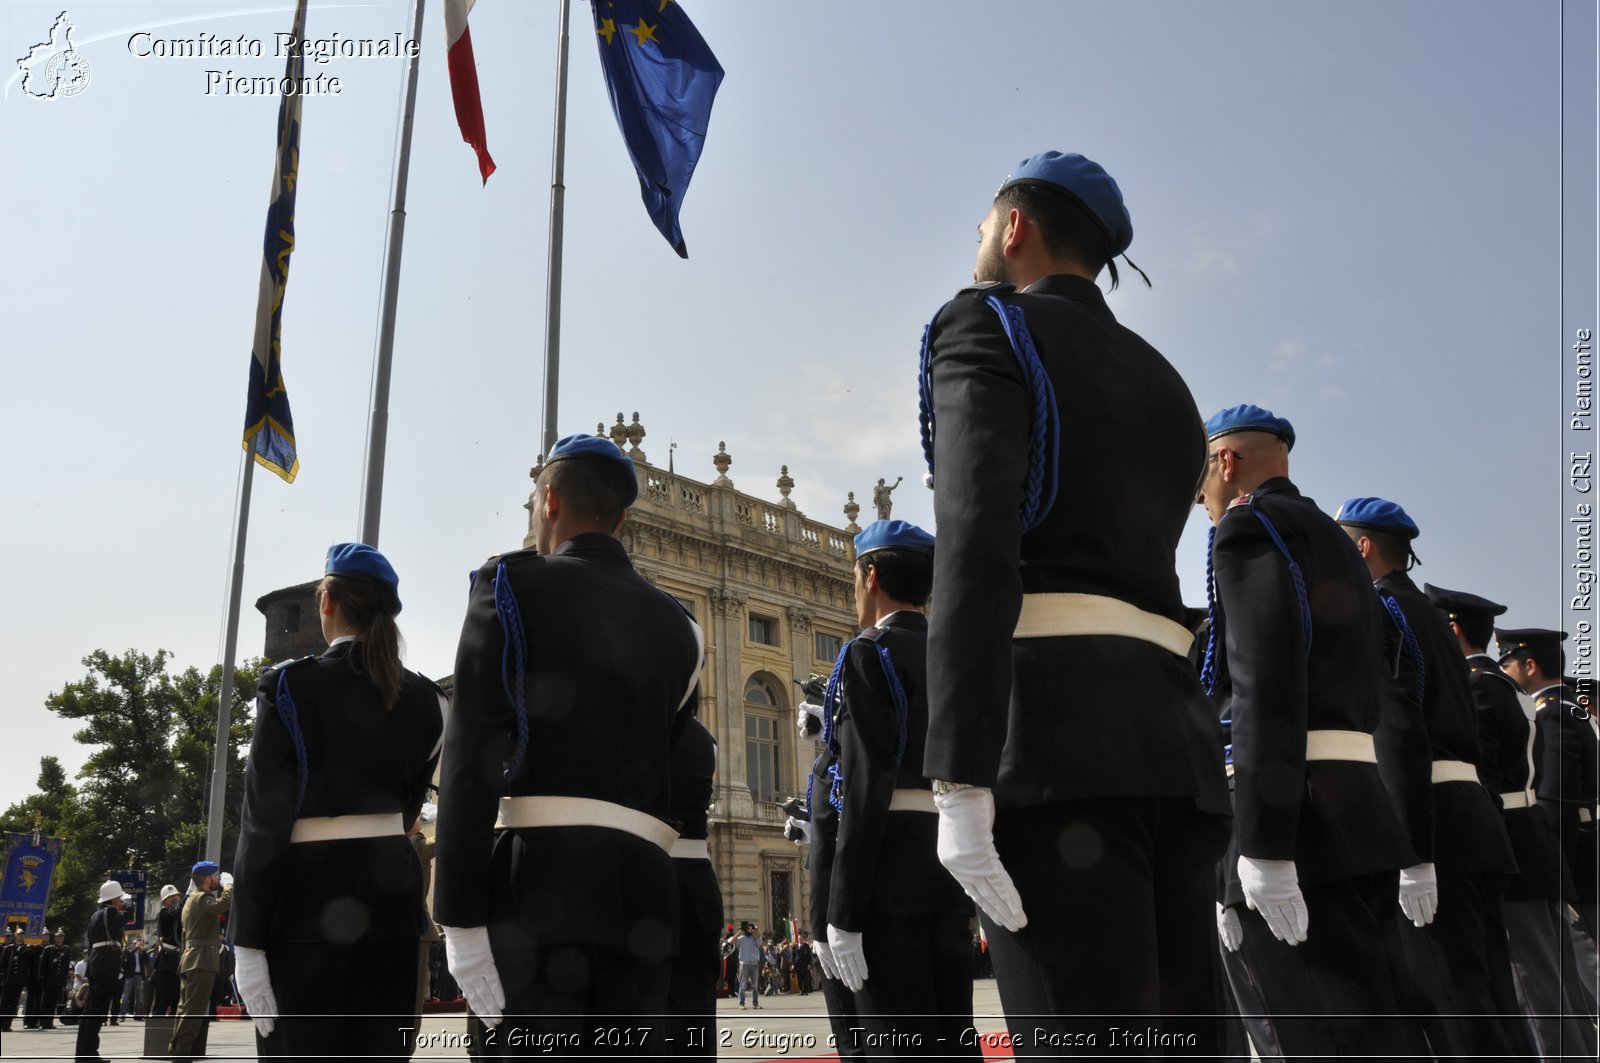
(763, 747)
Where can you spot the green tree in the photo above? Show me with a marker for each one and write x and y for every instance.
(144, 790)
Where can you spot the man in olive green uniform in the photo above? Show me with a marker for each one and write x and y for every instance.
(202, 948)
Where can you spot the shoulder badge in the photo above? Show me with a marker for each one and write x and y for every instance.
(984, 288)
(1242, 500)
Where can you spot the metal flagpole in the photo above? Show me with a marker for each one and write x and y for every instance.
(220, 758)
(378, 423)
(552, 305)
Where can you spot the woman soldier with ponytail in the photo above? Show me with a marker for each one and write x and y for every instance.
(329, 901)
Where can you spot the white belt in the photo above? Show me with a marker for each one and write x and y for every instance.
(341, 828)
(1585, 816)
(1454, 771)
(518, 812)
(1518, 799)
(1051, 615)
(168, 948)
(690, 849)
(106, 945)
(907, 800)
(1341, 745)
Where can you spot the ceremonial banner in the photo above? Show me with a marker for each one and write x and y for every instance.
(662, 78)
(464, 82)
(133, 884)
(267, 419)
(25, 895)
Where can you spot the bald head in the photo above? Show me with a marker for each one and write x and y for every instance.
(1236, 464)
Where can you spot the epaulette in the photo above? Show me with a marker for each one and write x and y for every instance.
(871, 634)
(1497, 674)
(292, 661)
(1242, 500)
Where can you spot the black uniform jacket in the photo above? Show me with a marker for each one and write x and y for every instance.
(1334, 819)
(106, 924)
(55, 966)
(886, 863)
(609, 661)
(1508, 753)
(1054, 719)
(360, 760)
(824, 839)
(1566, 780)
(1468, 836)
(169, 931)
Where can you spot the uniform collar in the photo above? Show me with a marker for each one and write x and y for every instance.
(904, 618)
(595, 546)
(1277, 485)
(1397, 578)
(1069, 286)
(1554, 690)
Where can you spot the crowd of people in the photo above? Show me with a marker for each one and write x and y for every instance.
(1313, 812)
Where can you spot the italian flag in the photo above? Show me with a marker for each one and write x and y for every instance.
(464, 82)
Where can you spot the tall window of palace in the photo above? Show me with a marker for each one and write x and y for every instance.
(762, 746)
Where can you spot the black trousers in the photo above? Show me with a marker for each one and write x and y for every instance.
(841, 1005)
(95, 1012)
(917, 999)
(1119, 894)
(337, 1001)
(33, 1010)
(1460, 970)
(10, 995)
(573, 1001)
(690, 1026)
(165, 999)
(1333, 995)
(49, 1003)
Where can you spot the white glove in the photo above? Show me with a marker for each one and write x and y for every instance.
(1272, 887)
(808, 720)
(1229, 929)
(825, 957)
(430, 812)
(466, 950)
(966, 849)
(803, 826)
(225, 879)
(1419, 894)
(255, 987)
(848, 958)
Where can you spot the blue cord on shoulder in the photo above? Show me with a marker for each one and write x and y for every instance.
(513, 663)
(1208, 667)
(1044, 441)
(291, 723)
(1412, 644)
(897, 695)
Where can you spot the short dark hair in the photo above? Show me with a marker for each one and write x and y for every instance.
(1476, 630)
(594, 490)
(1065, 225)
(1550, 659)
(904, 575)
(1391, 548)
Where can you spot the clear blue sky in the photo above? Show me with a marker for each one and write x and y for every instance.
(1350, 212)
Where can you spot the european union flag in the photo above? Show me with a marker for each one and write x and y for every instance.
(267, 419)
(662, 78)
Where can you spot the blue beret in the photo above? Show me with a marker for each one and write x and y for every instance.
(1085, 181)
(892, 535)
(1378, 514)
(1248, 418)
(588, 446)
(1460, 604)
(360, 561)
(204, 868)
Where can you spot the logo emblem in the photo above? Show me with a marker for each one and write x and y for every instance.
(54, 69)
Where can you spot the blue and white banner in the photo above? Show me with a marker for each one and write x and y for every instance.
(25, 894)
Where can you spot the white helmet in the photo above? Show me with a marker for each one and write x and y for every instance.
(169, 890)
(110, 890)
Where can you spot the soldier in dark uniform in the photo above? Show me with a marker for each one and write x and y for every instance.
(1568, 769)
(1310, 878)
(1459, 960)
(55, 971)
(552, 880)
(1063, 451)
(169, 946)
(1535, 898)
(12, 978)
(331, 905)
(898, 924)
(692, 999)
(29, 972)
(106, 927)
(821, 832)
